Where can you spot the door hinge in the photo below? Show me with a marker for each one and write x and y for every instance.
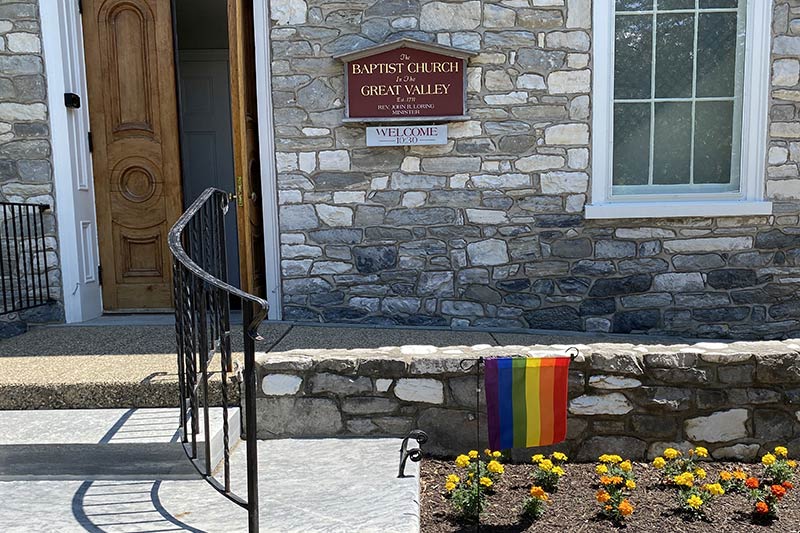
(239, 191)
(91, 141)
(72, 100)
(100, 274)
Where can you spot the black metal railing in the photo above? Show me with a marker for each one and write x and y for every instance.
(23, 257)
(203, 330)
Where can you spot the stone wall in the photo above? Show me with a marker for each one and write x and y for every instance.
(25, 163)
(739, 400)
(488, 230)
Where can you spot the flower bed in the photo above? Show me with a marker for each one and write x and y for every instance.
(679, 491)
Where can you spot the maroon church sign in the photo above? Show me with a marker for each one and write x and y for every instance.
(406, 81)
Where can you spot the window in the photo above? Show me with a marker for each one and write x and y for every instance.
(678, 86)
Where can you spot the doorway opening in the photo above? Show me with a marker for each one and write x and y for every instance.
(203, 79)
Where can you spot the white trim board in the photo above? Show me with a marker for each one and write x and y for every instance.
(62, 42)
(750, 199)
(269, 174)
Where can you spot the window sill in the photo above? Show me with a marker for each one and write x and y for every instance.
(677, 209)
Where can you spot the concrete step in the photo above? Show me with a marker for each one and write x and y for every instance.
(94, 444)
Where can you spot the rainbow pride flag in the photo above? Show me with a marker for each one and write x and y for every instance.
(526, 401)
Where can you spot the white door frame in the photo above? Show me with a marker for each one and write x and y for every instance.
(73, 181)
(266, 143)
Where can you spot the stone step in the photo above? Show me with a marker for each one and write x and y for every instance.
(104, 444)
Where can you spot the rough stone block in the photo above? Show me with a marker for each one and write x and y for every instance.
(722, 426)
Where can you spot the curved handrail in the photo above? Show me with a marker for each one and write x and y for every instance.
(176, 247)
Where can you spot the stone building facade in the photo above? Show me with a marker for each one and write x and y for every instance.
(25, 154)
(490, 230)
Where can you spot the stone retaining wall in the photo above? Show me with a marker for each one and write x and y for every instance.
(738, 399)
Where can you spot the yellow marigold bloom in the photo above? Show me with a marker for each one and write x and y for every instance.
(602, 496)
(714, 489)
(449, 486)
(768, 459)
(694, 501)
(700, 473)
(671, 453)
(488, 452)
(452, 478)
(615, 459)
(546, 465)
(495, 467)
(625, 508)
(781, 451)
(701, 452)
(462, 461)
(630, 484)
(496, 455)
(538, 493)
(557, 470)
(725, 476)
(659, 462)
(791, 463)
(601, 469)
(686, 479)
(626, 466)
(538, 458)
(558, 456)
(473, 454)
(486, 482)
(606, 458)
(740, 475)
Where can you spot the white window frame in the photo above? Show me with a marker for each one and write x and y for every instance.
(749, 200)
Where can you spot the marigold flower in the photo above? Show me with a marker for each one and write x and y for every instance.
(740, 475)
(725, 475)
(601, 469)
(546, 465)
(497, 455)
(659, 462)
(686, 479)
(778, 491)
(787, 485)
(751, 483)
(762, 508)
(558, 456)
(605, 480)
(449, 486)
(715, 489)
(625, 508)
(602, 496)
(488, 452)
(671, 453)
(768, 459)
(462, 461)
(781, 451)
(495, 467)
(557, 470)
(617, 480)
(452, 478)
(694, 501)
(791, 463)
(538, 493)
(701, 452)
(538, 458)
(473, 454)
(607, 507)
(486, 482)
(700, 473)
(626, 466)
(606, 458)
(630, 484)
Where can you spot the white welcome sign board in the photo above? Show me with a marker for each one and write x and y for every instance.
(406, 135)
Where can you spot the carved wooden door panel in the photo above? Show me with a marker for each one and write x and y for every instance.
(244, 116)
(133, 114)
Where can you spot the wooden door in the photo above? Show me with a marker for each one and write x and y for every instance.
(134, 121)
(244, 113)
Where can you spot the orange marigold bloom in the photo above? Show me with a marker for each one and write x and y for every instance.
(605, 480)
(778, 491)
(739, 474)
(616, 480)
(608, 507)
(725, 476)
(787, 485)
(751, 482)
(625, 508)
(602, 496)
(762, 508)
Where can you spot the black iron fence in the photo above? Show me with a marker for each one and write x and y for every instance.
(23, 257)
(203, 329)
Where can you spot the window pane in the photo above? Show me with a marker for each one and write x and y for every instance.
(631, 144)
(705, 4)
(672, 143)
(713, 141)
(664, 5)
(674, 56)
(633, 56)
(634, 5)
(716, 54)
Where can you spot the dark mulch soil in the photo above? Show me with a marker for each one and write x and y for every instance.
(574, 509)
